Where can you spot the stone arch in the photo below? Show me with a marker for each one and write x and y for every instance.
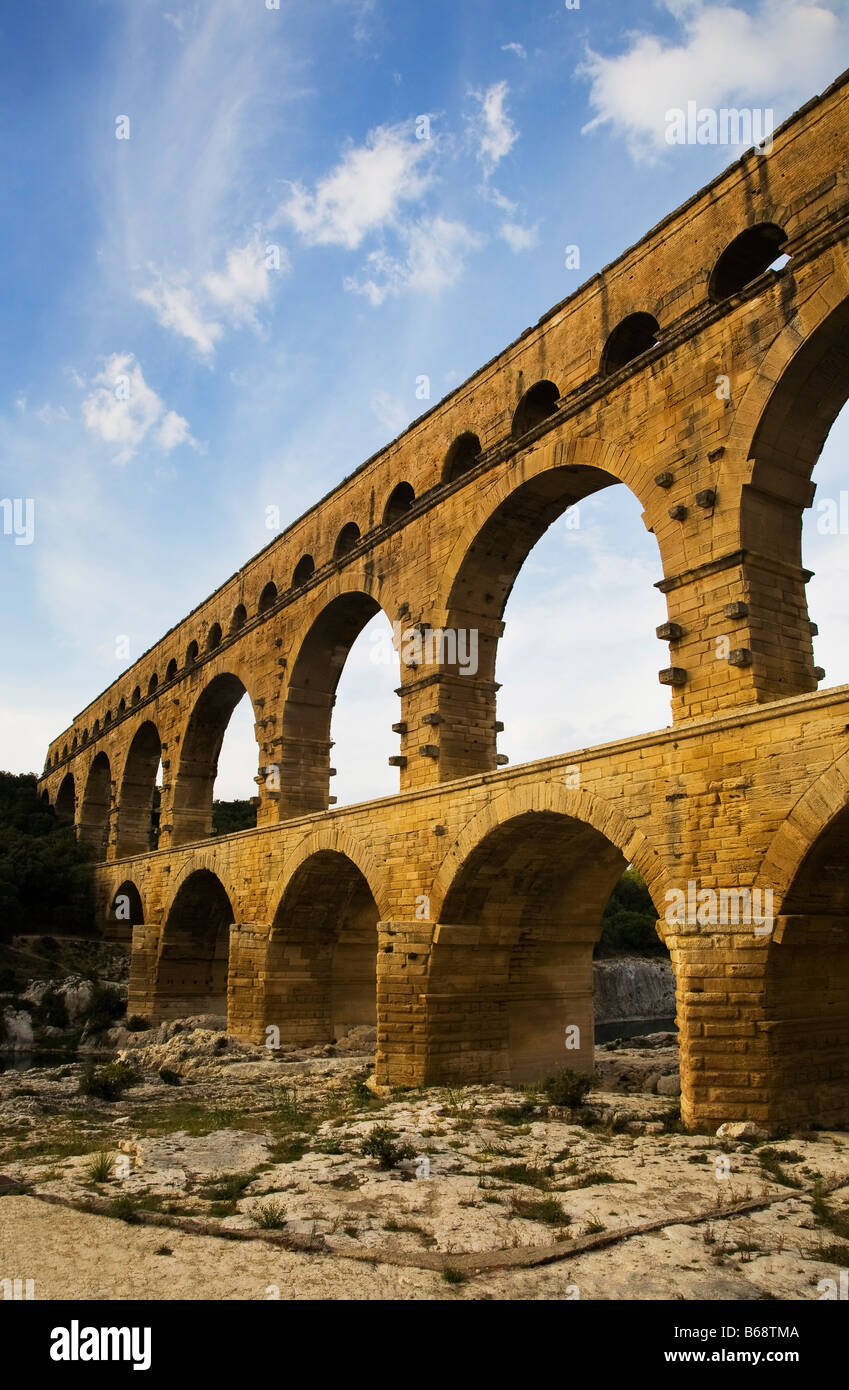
(267, 598)
(152, 684)
(398, 503)
(806, 979)
(346, 540)
(96, 806)
(478, 577)
(336, 840)
(537, 404)
(745, 259)
(171, 669)
(191, 817)
(633, 336)
(462, 455)
(239, 618)
(213, 638)
(304, 570)
(66, 798)
(520, 899)
(136, 828)
(125, 910)
(321, 961)
(193, 958)
(321, 651)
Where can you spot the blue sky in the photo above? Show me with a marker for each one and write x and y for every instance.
(252, 386)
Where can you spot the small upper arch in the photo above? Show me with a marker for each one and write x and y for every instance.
(400, 500)
(346, 540)
(304, 570)
(536, 405)
(213, 639)
(191, 653)
(136, 695)
(629, 340)
(268, 597)
(745, 259)
(239, 618)
(152, 684)
(171, 669)
(463, 454)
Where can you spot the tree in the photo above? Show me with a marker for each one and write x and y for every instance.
(45, 875)
(629, 920)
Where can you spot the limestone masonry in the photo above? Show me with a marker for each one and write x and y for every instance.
(461, 913)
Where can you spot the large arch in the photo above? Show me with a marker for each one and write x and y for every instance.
(96, 806)
(125, 910)
(321, 964)
(191, 816)
(479, 577)
(137, 833)
(520, 899)
(193, 959)
(66, 798)
(321, 653)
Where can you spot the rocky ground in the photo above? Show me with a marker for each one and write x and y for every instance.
(280, 1173)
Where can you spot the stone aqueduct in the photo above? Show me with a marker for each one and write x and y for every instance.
(461, 913)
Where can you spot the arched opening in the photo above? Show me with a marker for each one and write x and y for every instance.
(125, 912)
(807, 987)
(213, 639)
(85, 736)
(122, 705)
(192, 653)
(107, 718)
(556, 686)
(745, 259)
(152, 684)
(267, 598)
(75, 743)
(346, 540)
(65, 751)
(401, 499)
(536, 405)
(239, 618)
(96, 804)
(365, 708)
(171, 669)
(306, 742)
(304, 570)
(191, 976)
(803, 427)
(192, 817)
(138, 803)
(629, 340)
(136, 695)
(321, 966)
(463, 455)
(66, 800)
(511, 980)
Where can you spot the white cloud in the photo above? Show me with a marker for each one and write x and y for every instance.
(363, 193)
(436, 249)
(777, 56)
(124, 411)
(519, 238)
(176, 307)
(491, 127)
(246, 282)
(517, 48)
(48, 413)
(392, 413)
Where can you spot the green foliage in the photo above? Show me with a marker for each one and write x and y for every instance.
(628, 924)
(270, 1216)
(107, 1082)
(566, 1088)
(452, 1275)
(99, 1167)
(381, 1145)
(230, 816)
(52, 1012)
(105, 1007)
(45, 876)
(171, 1078)
(547, 1210)
(226, 1187)
(137, 1024)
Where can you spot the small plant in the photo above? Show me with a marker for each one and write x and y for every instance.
(99, 1167)
(452, 1275)
(833, 1221)
(136, 1024)
(288, 1149)
(539, 1177)
(270, 1216)
(595, 1178)
(52, 1012)
(226, 1187)
(381, 1145)
(171, 1078)
(125, 1209)
(547, 1210)
(769, 1160)
(289, 1111)
(566, 1088)
(106, 1005)
(107, 1082)
(163, 1250)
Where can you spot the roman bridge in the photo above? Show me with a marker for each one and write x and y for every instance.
(702, 370)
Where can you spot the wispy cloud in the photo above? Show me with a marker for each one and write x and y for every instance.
(435, 257)
(491, 128)
(517, 48)
(365, 191)
(519, 238)
(123, 411)
(777, 55)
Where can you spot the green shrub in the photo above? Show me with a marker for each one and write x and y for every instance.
(547, 1210)
(381, 1145)
(269, 1215)
(107, 1082)
(52, 1012)
(99, 1168)
(136, 1024)
(628, 922)
(171, 1078)
(566, 1088)
(105, 1007)
(452, 1275)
